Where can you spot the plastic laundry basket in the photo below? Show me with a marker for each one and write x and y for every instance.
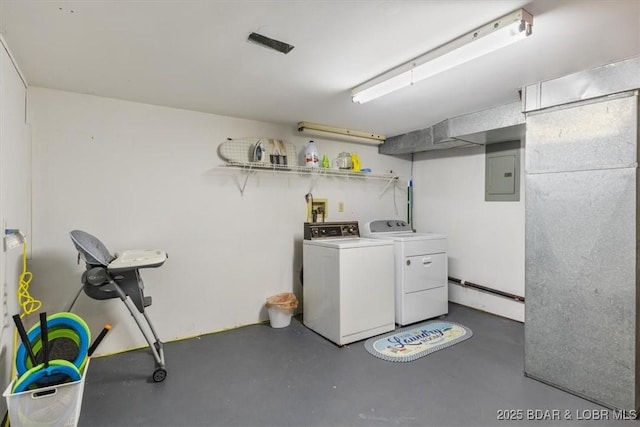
(52, 406)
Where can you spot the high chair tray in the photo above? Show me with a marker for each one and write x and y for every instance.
(128, 260)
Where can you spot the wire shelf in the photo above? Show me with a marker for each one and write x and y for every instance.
(249, 168)
(304, 170)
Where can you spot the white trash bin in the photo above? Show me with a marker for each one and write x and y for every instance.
(279, 318)
(280, 308)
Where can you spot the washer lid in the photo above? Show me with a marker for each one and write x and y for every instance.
(342, 243)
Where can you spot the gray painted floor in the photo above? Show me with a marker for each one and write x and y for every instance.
(260, 376)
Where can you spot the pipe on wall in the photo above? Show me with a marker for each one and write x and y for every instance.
(486, 289)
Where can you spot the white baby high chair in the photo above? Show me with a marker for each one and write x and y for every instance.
(117, 276)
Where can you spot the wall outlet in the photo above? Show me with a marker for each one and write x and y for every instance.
(340, 206)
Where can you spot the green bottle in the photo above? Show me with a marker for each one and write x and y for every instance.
(325, 162)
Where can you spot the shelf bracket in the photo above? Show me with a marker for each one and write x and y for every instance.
(314, 181)
(243, 185)
(391, 180)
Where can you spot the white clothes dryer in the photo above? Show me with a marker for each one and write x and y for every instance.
(348, 282)
(421, 272)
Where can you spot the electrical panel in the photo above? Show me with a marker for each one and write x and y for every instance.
(502, 172)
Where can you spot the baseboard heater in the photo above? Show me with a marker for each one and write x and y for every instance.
(485, 289)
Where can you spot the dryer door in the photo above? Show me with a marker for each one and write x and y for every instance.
(424, 272)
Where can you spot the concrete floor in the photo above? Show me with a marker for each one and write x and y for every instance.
(261, 376)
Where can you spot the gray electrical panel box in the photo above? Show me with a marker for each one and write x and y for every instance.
(502, 172)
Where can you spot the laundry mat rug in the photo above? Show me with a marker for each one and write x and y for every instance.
(415, 341)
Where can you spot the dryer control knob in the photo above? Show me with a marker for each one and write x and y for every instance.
(389, 223)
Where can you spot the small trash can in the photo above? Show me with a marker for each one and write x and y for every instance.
(280, 308)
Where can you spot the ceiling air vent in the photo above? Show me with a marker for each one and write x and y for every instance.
(264, 41)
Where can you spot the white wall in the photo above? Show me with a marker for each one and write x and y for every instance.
(140, 176)
(14, 201)
(486, 239)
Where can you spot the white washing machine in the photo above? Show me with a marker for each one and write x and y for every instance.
(348, 282)
(421, 273)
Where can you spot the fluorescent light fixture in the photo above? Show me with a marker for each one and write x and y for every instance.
(481, 41)
(341, 134)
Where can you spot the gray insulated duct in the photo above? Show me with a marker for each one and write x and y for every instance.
(498, 124)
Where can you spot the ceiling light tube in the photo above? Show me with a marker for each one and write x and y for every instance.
(341, 134)
(488, 38)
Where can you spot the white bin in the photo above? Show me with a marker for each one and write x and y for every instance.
(280, 308)
(279, 318)
(53, 406)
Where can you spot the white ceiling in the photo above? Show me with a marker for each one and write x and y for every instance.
(194, 54)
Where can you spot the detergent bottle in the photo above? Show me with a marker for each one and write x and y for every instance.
(311, 156)
(326, 164)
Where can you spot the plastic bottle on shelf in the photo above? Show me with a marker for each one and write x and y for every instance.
(311, 156)
(355, 161)
(326, 164)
